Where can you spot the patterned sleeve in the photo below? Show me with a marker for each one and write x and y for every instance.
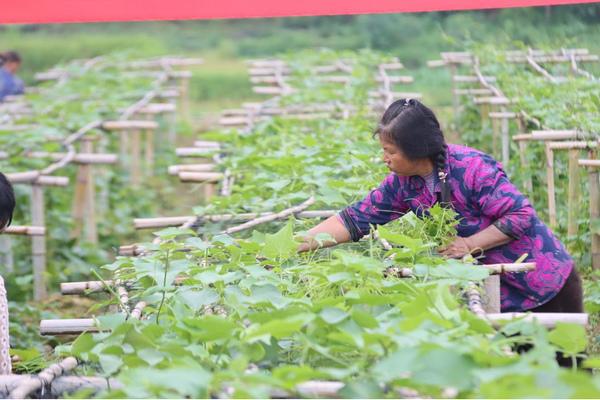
(500, 200)
(379, 207)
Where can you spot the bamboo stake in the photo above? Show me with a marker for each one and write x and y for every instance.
(523, 155)
(83, 210)
(135, 164)
(492, 289)
(594, 188)
(505, 137)
(43, 378)
(149, 152)
(38, 244)
(474, 301)
(280, 215)
(550, 183)
(136, 313)
(123, 298)
(572, 199)
(6, 253)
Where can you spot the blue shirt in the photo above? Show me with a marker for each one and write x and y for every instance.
(10, 84)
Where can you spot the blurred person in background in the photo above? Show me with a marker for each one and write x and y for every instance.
(10, 83)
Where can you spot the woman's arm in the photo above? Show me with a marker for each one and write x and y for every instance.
(379, 207)
(485, 239)
(332, 226)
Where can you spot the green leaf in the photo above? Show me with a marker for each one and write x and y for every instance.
(110, 363)
(280, 244)
(195, 299)
(333, 315)
(570, 338)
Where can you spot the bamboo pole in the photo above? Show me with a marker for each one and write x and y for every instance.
(491, 286)
(123, 298)
(135, 163)
(550, 183)
(72, 288)
(83, 209)
(505, 137)
(572, 199)
(74, 326)
(163, 222)
(24, 230)
(6, 253)
(45, 377)
(210, 177)
(268, 218)
(194, 151)
(136, 313)
(509, 267)
(176, 169)
(149, 152)
(474, 301)
(38, 244)
(594, 188)
(548, 320)
(590, 163)
(60, 386)
(523, 155)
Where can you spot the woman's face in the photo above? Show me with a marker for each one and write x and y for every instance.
(397, 162)
(12, 66)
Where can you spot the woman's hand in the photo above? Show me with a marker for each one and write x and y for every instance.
(459, 248)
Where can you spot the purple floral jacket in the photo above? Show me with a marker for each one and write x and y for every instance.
(482, 195)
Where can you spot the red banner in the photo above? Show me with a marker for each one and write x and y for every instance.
(61, 11)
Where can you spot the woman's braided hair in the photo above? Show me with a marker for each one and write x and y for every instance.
(415, 130)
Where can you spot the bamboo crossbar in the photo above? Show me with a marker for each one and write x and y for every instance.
(589, 163)
(471, 78)
(553, 58)
(79, 158)
(492, 100)
(163, 222)
(72, 288)
(60, 386)
(33, 384)
(396, 79)
(509, 267)
(125, 125)
(474, 91)
(572, 145)
(157, 108)
(210, 177)
(549, 320)
(207, 144)
(35, 177)
(176, 169)
(194, 151)
(25, 230)
(549, 135)
(502, 115)
(268, 218)
(73, 326)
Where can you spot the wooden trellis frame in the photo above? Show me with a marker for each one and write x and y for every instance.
(593, 167)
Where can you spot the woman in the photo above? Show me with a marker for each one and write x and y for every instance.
(10, 83)
(494, 216)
